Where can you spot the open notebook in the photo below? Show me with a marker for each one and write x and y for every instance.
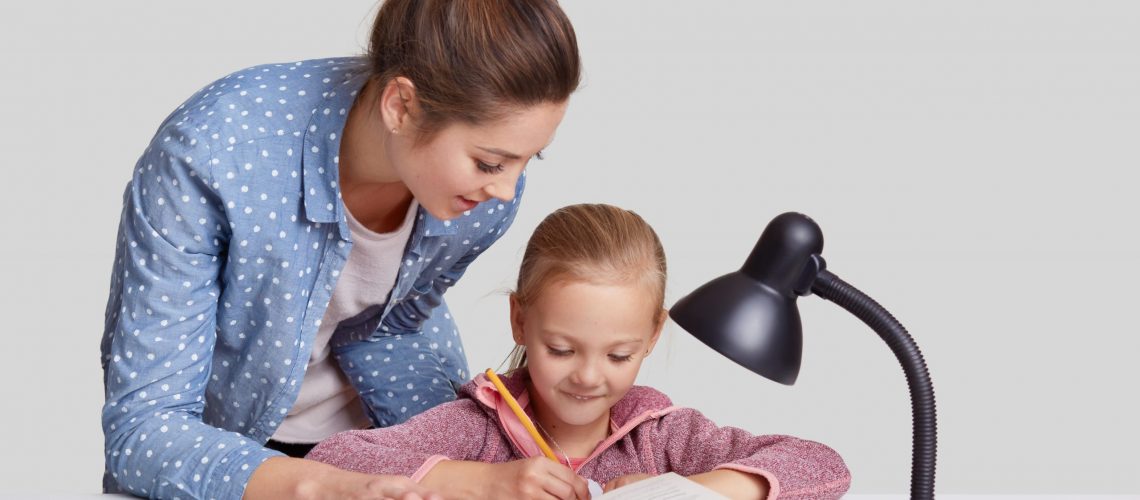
(668, 486)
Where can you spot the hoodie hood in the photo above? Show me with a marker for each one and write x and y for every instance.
(638, 405)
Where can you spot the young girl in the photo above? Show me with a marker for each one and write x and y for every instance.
(287, 238)
(587, 312)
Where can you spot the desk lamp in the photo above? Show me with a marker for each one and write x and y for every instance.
(750, 316)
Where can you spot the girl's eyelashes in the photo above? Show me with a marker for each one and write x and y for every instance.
(539, 156)
(488, 168)
(561, 353)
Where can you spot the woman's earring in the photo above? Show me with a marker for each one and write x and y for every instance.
(395, 130)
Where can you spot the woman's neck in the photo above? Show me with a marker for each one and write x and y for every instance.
(369, 187)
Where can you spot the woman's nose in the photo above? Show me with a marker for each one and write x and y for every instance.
(503, 189)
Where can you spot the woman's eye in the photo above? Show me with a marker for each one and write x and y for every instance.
(488, 168)
(558, 352)
(621, 358)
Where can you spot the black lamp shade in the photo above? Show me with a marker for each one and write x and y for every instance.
(750, 316)
(746, 321)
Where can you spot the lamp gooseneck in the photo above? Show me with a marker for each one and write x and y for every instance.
(925, 428)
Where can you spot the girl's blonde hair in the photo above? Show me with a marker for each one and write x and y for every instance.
(591, 243)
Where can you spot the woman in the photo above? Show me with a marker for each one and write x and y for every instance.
(287, 238)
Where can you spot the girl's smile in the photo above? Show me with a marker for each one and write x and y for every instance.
(585, 343)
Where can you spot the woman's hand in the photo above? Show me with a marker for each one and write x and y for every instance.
(528, 478)
(616, 483)
(295, 478)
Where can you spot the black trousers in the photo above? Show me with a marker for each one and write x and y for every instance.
(297, 450)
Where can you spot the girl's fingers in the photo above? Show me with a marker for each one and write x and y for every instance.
(571, 485)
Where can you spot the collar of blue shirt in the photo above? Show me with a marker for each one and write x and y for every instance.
(319, 163)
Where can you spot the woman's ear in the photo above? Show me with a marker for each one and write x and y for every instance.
(397, 103)
(661, 318)
(517, 320)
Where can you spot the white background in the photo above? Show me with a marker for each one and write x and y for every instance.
(971, 164)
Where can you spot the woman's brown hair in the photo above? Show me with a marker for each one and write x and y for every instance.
(475, 60)
(591, 243)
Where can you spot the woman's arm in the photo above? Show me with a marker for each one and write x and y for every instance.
(419, 327)
(284, 477)
(451, 261)
(160, 330)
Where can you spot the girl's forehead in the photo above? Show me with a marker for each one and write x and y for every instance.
(578, 302)
(615, 340)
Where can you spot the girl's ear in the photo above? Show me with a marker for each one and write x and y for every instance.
(397, 101)
(517, 320)
(661, 317)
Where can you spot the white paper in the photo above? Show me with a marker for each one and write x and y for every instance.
(668, 486)
(595, 488)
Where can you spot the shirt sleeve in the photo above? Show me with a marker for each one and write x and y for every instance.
(422, 334)
(408, 319)
(458, 430)
(160, 331)
(795, 468)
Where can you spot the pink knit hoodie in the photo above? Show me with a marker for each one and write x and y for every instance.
(648, 435)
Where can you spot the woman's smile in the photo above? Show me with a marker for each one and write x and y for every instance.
(463, 204)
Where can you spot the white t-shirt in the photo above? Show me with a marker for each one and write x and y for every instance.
(327, 403)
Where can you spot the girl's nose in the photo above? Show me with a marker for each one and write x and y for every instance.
(587, 374)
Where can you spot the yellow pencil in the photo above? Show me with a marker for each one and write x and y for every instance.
(522, 415)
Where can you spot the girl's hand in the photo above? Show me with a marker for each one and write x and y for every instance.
(616, 483)
(529, 478)
(535, 478)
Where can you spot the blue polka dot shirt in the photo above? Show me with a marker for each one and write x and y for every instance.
(231, 240)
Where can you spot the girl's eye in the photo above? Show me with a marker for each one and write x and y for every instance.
(621, 359)
(558, 352)
(487, 168)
